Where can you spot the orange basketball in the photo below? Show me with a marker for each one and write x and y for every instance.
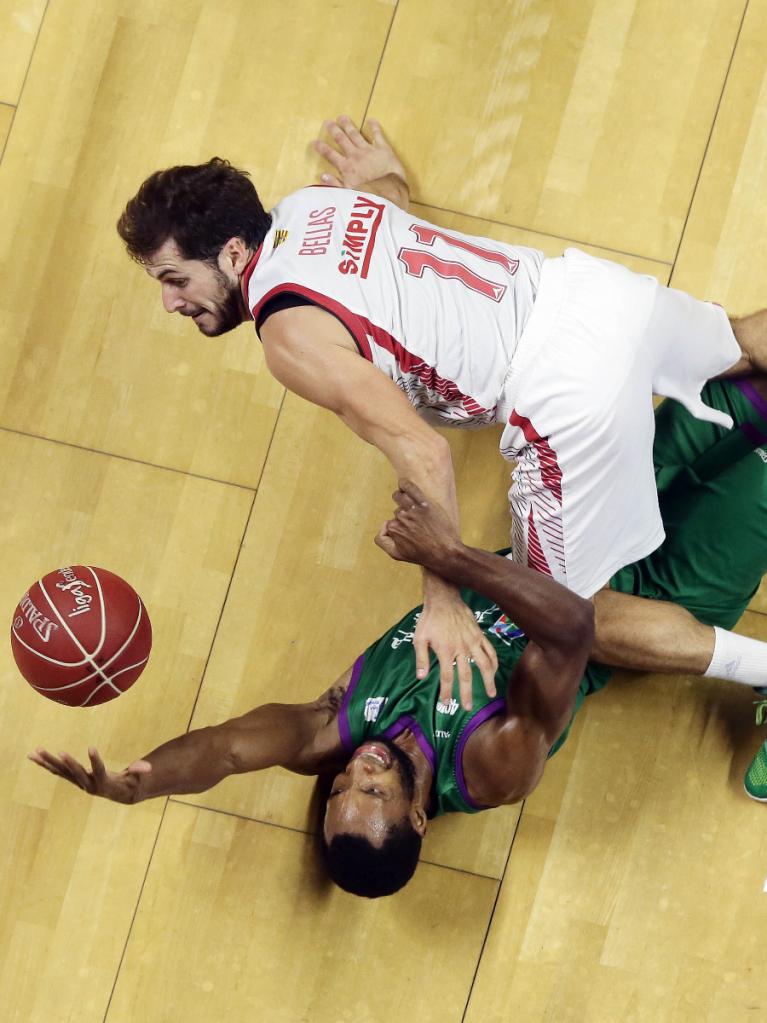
(81, 636)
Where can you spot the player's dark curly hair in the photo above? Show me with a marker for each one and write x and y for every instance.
(359, 867)
(200, 206)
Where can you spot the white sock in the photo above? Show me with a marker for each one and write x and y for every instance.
(738, 659)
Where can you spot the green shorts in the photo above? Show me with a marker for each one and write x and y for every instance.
(712, 488)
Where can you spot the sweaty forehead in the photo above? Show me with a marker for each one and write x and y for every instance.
(366, 819)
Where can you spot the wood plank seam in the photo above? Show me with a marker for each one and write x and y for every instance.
(543, 234)
(380, 62)
(135, 911)
(237, 559)
(127, 458)
(226, 596)
(17, 104)
(710, 136)
(492, 914)
(303, 831)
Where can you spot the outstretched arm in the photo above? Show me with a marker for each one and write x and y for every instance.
(306, 350)
(371, 166)
(559, 624)
(300, 737)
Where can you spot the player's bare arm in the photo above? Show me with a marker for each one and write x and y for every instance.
(309, 352)
(560, 630)
(302, 738)
(371, 166)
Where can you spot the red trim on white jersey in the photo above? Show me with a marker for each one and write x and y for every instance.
(535, 557)
(247, 273)
(551, 474)
(536, 500)
(362, 330)
(353, 323)
(427, 374)
(371, 243)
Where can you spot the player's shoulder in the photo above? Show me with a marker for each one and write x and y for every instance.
(323, 750)
(504, 759)
(329, 703)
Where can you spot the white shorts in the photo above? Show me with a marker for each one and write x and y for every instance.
(577, 403)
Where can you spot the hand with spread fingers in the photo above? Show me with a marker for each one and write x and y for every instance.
(120, 787)
(355, 160)
(449, 628)
(422, 533)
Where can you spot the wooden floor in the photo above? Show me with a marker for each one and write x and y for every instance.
(630, 885)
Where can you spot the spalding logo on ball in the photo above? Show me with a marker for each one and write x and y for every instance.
(81, 636)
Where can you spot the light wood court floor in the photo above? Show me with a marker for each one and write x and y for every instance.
(629, 887)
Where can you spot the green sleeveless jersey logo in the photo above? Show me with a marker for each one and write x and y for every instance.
(384, 698)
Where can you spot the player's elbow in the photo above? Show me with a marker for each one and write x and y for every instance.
(581, 626)
(225, 752)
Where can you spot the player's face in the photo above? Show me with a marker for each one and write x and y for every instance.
(209, 294)
(373, 793)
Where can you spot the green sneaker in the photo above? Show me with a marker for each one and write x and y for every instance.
(755, 781)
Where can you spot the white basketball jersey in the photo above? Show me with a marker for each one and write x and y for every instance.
(438, 311)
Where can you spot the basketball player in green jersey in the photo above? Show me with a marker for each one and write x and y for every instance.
(400, 751)
(397, 753)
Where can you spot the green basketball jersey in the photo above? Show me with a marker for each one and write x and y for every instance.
(384, 698)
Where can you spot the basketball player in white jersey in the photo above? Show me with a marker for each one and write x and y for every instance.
(395, 324)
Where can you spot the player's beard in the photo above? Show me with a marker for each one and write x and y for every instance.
(405, 765)
(228, 314)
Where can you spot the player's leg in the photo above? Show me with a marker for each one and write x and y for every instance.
(734, 654)
(751, 334)
(661, 612)
(649, 634)
(755, 780)
(714, 509)
(713, 506)
(657, 635)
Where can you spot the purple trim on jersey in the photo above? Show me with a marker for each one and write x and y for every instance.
(754, 434)
(343, 714)
(492, 708)
(400, 725)
(751, 394)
